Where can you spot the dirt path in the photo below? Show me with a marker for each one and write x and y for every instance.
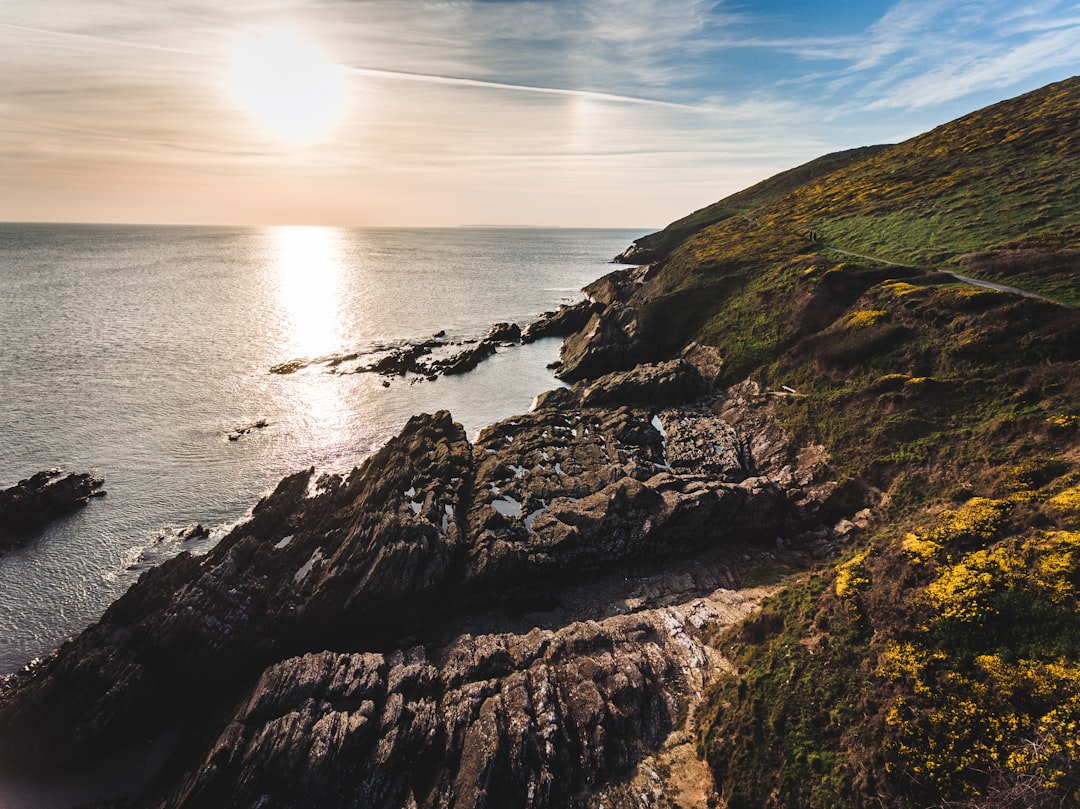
(974, 281)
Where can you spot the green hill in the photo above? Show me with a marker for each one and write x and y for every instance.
(939, 662)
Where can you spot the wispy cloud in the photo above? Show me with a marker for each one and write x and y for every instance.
(600, 110)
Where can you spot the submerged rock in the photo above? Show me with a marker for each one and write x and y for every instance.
(239, 432)
(44, 497)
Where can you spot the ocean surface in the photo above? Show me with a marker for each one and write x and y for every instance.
(133, 352)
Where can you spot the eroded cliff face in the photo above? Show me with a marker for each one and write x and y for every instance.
(511, 622)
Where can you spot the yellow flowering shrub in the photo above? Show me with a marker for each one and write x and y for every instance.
(1067, 501)
(980, 518)
(1064, 422)
(1056, 564)
(902, 288)
(864, 318)
(962, 591)
(852, 576)
(965, 710)
(919, 549)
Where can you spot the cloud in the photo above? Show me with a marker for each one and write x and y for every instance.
(957, 77)
(922, 53)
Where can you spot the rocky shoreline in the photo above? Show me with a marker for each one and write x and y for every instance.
(435, 356)
(515, 621)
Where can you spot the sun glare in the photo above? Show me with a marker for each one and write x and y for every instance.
(288, 84)
(309, 266)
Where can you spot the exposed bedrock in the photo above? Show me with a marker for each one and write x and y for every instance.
(662, 383)
(562, 322)
(41, 498)
(529, 720)
(612, 338)
(428, 523)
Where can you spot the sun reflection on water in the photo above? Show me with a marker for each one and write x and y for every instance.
(308, 262)
(309, 269)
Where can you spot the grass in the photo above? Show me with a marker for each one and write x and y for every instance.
(933, 398)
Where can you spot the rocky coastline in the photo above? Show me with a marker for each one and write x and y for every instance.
(520, 620)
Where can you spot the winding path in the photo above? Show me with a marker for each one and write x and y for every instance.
(974, 281)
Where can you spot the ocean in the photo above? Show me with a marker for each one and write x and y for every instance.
(133, 352)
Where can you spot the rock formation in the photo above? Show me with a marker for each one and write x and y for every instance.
(39, 499)
(452, 623)
(337, 631)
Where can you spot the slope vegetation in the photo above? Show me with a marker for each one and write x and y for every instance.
(939, 662)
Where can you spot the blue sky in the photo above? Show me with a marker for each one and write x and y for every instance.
(537, 112)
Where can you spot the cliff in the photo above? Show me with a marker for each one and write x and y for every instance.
(803, 532)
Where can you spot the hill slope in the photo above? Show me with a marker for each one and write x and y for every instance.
(554, 613)
(940, 661)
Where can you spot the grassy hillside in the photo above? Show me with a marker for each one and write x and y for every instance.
(939, 661)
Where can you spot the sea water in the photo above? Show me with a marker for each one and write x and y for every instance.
(133, 352)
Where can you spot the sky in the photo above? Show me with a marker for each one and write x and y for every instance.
(432, 113)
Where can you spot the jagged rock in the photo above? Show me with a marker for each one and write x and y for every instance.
(402, 360)
(502, 333)
(603, 345)
(44, 497)
(427, 523)
(360, 559)
(561, 323)
(463, 361)
(527, 720)
(664, 383)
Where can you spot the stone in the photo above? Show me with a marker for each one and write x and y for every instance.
(41, 498)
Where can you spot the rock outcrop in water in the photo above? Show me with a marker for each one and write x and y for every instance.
(44, 497)
(418, 358)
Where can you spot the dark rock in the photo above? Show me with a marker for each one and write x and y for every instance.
(503, 333)
(401, 361)
(557, 398)
(467, 360)
(492, 721)
(665, 383)
(44, 497)
(427, 528)
(239, 432)
(290, 367)
(561, 323)
(463, 361)
(602, 346)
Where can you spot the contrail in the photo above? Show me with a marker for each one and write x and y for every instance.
(97, 38)
(399, 75)
(429, 78)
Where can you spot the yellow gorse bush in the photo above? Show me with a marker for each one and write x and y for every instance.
(963, 714)
(864, 318)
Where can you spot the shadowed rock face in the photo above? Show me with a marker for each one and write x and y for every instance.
(429, 527)
(496, 720)
(39, 499)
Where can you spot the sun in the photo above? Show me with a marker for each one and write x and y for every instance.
(288, 84)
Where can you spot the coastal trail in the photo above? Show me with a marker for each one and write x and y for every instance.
(965, 279)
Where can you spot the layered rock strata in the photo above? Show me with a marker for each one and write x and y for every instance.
(453, 623)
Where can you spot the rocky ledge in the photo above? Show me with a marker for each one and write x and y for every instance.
(44, 497)
(426, 359)
(514, 621)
